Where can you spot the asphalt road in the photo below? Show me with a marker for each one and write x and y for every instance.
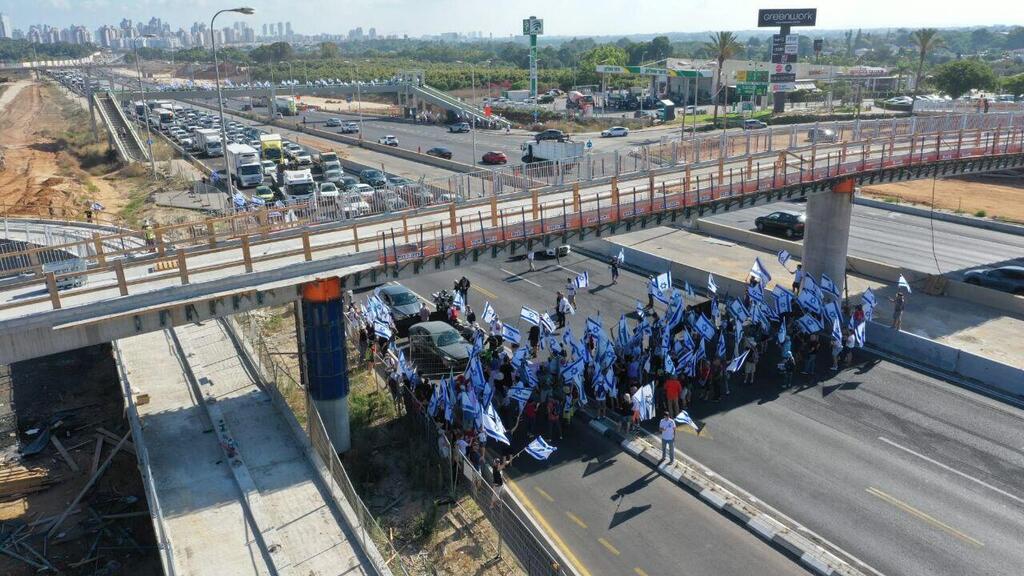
(911, 475)
(906, 240)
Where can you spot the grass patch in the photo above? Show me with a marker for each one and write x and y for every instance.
(980, 213)
(132, 211)
(891, 199)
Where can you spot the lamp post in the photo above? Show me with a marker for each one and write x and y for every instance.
(472, 76)
(145, 107)
(220, 97)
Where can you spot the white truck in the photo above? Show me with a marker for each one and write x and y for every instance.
(330, 165)
(286, 105)
(552, 150)
(207, 142)
(246, 169)
(299, 185)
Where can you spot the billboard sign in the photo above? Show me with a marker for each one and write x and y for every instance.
(784, 87)
(751, 88)
(533, 26)
(772, 17)
(607, 69)
(783, 77)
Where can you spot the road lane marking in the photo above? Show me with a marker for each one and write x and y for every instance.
(576, 519)
(544, 493)
(485, 292)
(524, 279)
(573, 272)
(609, 546)
(953, 470)
(532, 510)
(922, 516)
(687, 429)
(639, 572)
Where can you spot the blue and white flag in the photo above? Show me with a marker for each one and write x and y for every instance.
(688, 340)
(684, 418)
(381, 329)
(758, 271)
(572, 370)
(639, 310)
(904, 284)
(783, 299)
(661, 287)
(546, 323)
(781, 337)
(582, 280)
(868, 298)
(489, 315)
(783, 257)
(623, 336)
(809, 300)
(675, 315)
(809, 284)
(688, 289)
(670, 367)
(756, 293)
(705, 327)
(594, 327)
(720, 351)
(860, 334)
(737, 362)
(621, 257)
(645, 400)
(837, 331)
(509, 333)
(712, 287)
(531, 316)
(459, 301)
(448, 399)
(829, 286)
(403, 366)
(809, 324)
(700, 353)
(521, 394)
(435, 399)
(832, 311)
(470, 405)
(493, 426)
(540, 449)
(738, 310)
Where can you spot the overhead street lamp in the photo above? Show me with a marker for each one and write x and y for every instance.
(142, 95)
(220, 96)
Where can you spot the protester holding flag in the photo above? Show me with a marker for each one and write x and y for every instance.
(614, 265)
(668, 437)
(899, 302)
(798, 278)
(570, 291)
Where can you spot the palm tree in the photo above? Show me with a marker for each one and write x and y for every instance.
(925, 40)
(721, 46)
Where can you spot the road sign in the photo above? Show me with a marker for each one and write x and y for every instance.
(781, 77)
(785, 48)
(533, 26)
(757, 76)
(767, 18)
(751, 88)
(607, 69)
(590, 143)
(784, 87)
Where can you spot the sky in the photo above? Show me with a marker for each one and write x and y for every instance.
(561, 17)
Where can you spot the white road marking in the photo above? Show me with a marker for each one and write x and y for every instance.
(575, 273)
(514, 275)
(953, 470)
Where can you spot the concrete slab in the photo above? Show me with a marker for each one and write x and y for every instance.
(971, 327)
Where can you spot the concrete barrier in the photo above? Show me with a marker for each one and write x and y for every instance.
(983, 223)
(909, 348)
(1002, 301)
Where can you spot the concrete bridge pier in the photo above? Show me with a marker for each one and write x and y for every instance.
(321, 332)
(827, 232)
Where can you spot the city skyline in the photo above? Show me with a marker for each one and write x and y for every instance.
(436, 17)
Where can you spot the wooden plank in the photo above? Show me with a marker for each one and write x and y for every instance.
(97, 244)
(88, 485)
(96, 454)
(182, 268)
(51, 288)
(246, 255)
(111, 438)
(306, 252)
(122, 285)
(64, 454)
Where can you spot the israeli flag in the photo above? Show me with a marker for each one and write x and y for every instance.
(809, 300)
(623, 330)
(737, 362)
(546, 323)
(459, 301)
(837, 331)
(661, 287)
(435, 399)
(829, 286)
(449, 404)
(583, 280)
(470, 405)
(808, 284)
(676, 315)
(699, 354)
(540, 449)
(520, 394)
(809, 324)
(493, 426)
(688, 340)
(531, 316)
(403, 366)
(783, 298)
(738, 310)
(382, 329)
(782, 332)
(705, 327)
(760, 272)
(646, 401)
(670, 367)
(868, 298)
(756, 293)
(860, 335)
(689, 289)
(783, 257)
(832, 311)
(684, 418)
(572, 370)
(639, 310)
(712, 287)
(489, 315)
(509, 333)
(904, 284)
(621, 257)
(720, 352)
(594, 327)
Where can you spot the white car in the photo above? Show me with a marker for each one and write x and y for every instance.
(328, 190)
(561, 251)
(365, 191)
(388, 140)
(332, 123)
(269, 168)
(615, 131)
(354, 205)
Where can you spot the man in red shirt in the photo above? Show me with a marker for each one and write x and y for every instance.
(673, 390)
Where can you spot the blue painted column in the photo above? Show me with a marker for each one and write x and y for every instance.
(326, 364)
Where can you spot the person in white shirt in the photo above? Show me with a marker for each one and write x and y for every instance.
(798, 278)
(570, 291)
(668, 437)
(529, 258)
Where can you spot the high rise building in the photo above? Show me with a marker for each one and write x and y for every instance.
(372, 34)
(280, 29)
(5, 26)
(288, 28)
(264, 30)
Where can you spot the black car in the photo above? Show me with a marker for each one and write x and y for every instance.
(437, 348)
(348, 182)
(440, 152)
(789, 223)
(403, 305)
(551, 134)
(1005, 278)
(373, 177)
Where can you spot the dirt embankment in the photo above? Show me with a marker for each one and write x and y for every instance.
(995, 197)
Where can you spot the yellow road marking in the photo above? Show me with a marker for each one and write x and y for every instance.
(639, 572)
(575, 519)
(486, 292)
(687, 429)
(923, 516)
(544, 493)
(609, 546)
(547, 528)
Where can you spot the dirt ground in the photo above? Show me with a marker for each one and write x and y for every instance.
(333, 105)
(109, 531)
(999, 198)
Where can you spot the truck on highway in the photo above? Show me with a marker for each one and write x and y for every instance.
(551, 150)
(579, 101)
(207, 142)
(271, 148)
(516, 95)
(165, 118)
(286, 105)
(330, 166)
(246, 170)
(299, 185)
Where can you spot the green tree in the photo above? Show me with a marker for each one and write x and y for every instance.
(959, 77)
(721, 46)
(329, 50)
(1015, 38)
(276, 52)
(607, 54)
(924, 40)
(1013, 84)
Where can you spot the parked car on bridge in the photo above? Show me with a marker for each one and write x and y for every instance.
(789, 223)
(373, 177)
(1004, 278)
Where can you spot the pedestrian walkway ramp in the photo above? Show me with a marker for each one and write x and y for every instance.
(127, 143)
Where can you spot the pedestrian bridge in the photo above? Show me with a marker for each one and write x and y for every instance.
(220, 266)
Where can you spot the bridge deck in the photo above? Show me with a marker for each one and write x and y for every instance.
(280, 523)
